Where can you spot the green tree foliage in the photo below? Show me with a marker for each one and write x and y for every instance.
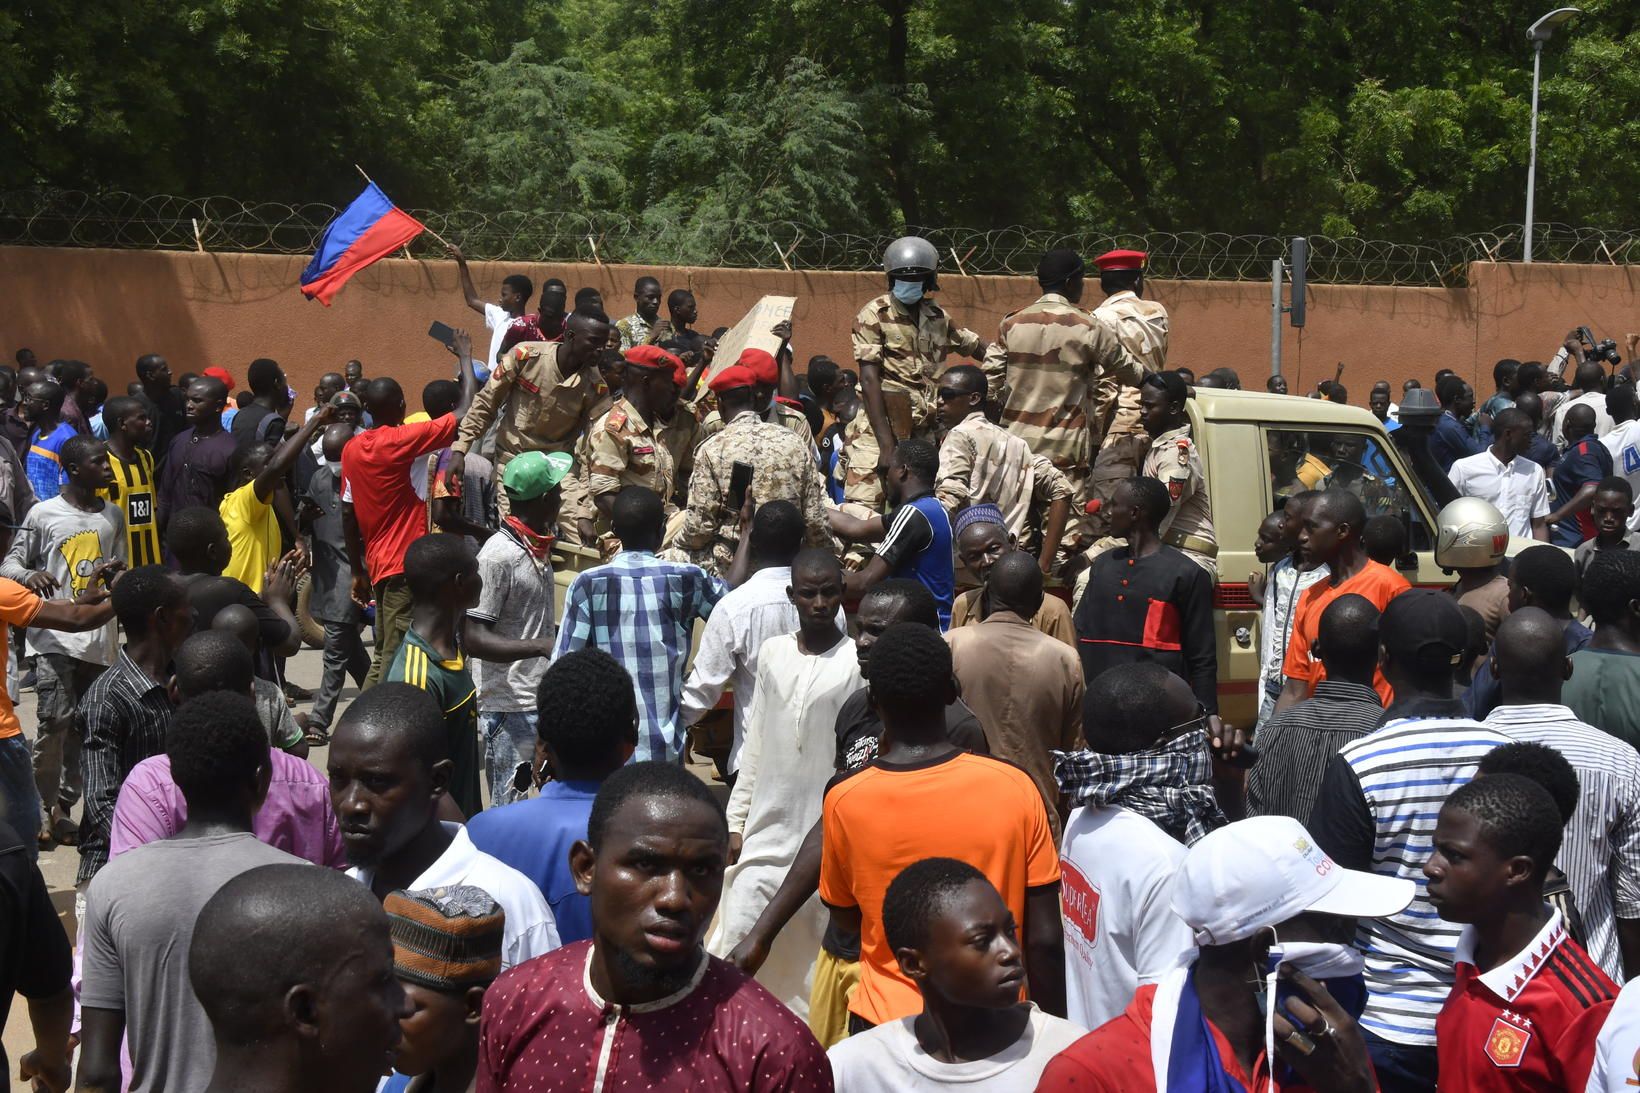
(711, 117)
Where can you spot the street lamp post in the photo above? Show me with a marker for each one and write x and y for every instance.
(1538, 33)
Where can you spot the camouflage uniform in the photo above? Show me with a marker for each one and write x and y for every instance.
(778, 413)
(535, 407)
(625, 450)
(1174, 460)
(982, 462)
(682, 437)
(782, 470)
(1141, 326)
(1051, 357)
(909, 348)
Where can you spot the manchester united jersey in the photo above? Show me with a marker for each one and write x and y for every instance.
(1528, 1024)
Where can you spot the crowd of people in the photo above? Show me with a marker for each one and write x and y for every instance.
(974, 819)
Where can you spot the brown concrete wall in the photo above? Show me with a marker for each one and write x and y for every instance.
(108, 307)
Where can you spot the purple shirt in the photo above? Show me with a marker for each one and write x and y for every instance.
(295, 817)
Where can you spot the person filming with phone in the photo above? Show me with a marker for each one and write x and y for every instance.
(750, 453)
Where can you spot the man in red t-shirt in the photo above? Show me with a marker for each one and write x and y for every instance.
(1528, 1002)
(381, 510)
(1331, 533)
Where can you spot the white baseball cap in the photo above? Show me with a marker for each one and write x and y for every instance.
(1258, 873)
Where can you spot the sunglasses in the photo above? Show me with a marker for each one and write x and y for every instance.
(1183, 727)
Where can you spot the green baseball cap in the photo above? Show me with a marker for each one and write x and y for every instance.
(532, 474)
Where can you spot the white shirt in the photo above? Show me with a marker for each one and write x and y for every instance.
(788, 757)
(1624, 444)
(530, 930)
(1617, 1050)
(496, 321)
(739, 625)
(888, 1059)
(1519, 488)
(1281, 595)
(1595, 400)
(1116, 889)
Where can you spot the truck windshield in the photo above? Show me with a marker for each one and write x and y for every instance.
(1358, 462)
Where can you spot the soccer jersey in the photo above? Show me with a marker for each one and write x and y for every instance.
(133, 491)
(1529, 1024)
(451, 685)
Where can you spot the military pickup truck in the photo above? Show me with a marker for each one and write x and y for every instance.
(1255, 447)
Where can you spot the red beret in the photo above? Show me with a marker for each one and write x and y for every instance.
(731, 377)
(217, 372)
(1121, 259)
(762, 365)
(795, 404)
(654, 357)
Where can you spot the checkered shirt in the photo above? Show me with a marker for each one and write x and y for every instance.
(1171, 784)
(641, 611)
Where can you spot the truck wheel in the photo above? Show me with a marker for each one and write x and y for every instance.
(313, 631)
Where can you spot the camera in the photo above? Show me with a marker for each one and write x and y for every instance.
(1602, 351)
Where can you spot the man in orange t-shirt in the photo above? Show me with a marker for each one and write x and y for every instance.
(1331, 533)
(923, 797)
(21, 607)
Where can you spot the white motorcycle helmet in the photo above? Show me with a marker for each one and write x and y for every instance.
(1470, 534)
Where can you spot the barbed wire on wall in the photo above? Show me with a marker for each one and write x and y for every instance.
(66, 218)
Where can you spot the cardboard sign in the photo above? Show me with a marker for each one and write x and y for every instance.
(752, 332)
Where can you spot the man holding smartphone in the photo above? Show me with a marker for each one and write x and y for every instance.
(769, 459)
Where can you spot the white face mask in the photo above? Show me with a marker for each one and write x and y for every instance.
(335, 466)
(1320, 960)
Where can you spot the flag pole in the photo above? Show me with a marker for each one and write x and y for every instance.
(424, 227)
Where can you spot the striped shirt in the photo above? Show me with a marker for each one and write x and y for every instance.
(1601, 851)
(1379, 801)
(1295, 745)
(642, 611)
(1052, 356)
(133, 491)
(125, 717)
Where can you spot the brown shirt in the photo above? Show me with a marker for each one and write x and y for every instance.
(539, 408)
(1026, 689)
(1053, 619)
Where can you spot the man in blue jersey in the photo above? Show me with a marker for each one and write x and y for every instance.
(916, 539)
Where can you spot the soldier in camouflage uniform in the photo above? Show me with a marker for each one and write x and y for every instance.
(766, 367)
(1174, 461)
(540, 396)
(782, 470)
(980, 462)
(901, 339)
(1141, 326)
(1049, 360)
(624, 445)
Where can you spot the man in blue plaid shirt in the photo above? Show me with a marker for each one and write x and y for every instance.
(641, 610)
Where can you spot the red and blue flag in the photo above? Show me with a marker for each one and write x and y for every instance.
(368, 230)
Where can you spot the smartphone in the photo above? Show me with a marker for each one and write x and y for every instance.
(442, 333)
(740, 480)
